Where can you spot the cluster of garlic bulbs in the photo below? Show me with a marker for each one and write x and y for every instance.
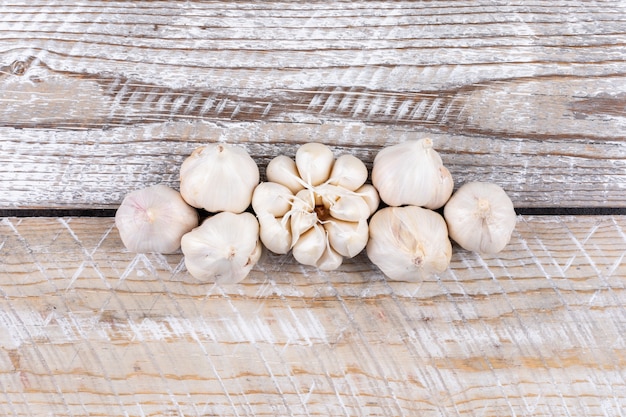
(218, 178)
(409, 240)
(318, 207)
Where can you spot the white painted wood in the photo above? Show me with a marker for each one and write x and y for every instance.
(102, 98)
(87, 328)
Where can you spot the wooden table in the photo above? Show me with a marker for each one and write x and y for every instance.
(100, 98)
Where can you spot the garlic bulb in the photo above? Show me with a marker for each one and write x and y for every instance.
(328, 204)
(154, 219)
(409, 243)
(480, 217)
(219, 177)
(412, 173)
(223, 249)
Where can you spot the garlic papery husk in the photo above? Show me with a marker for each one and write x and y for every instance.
(219, 177)
(480, 217)
(412, 173)
(330, 205)
(409, 243)
(348, 172)
(314, 162)
(154, 219)
(347, 238)
(271, 197)
(223, 249)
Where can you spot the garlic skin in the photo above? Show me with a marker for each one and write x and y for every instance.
(409, 243)
(154, 219)
(480, 217)
(329, 204)
(219, 177)
(223, 249)
(412, 173)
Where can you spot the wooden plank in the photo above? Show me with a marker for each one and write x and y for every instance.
(102, 98)
(87, 328)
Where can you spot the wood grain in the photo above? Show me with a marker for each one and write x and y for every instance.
(87, 328)
(102, 98)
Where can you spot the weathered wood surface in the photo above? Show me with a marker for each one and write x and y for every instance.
(87, 328)
(102, 97)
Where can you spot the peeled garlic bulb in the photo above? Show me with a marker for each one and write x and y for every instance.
(329, 206)
(412, 173)
(480, 217)
(154, 219)
(223, 249)
(219, 177)
(409, 243)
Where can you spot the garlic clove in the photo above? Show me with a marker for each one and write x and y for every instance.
(223, 249)
(306, 200)
(351, 208)
(370, 195)
(219, 177)
(408, 243)
(480, 217)
(347, 238)
(330, 260)
(154, 219)
(348, 172)
(302, 214)
(272, 197)
(412, 173)
(275, 233)
(283, 170)
(314, 162)
(301, 222)
(310, 246)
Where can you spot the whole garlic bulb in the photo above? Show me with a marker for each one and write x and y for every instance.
(317, 206)
(412, 173)
(224, 248)
(480, 217)
(154, 219)
(219, 177)
(409, 243)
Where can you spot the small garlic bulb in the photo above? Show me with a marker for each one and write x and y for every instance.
(480, 217)
(223, 249)
(154, 219)
(317, 206)
(219, 177)
(409, 243)
(412, 173)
